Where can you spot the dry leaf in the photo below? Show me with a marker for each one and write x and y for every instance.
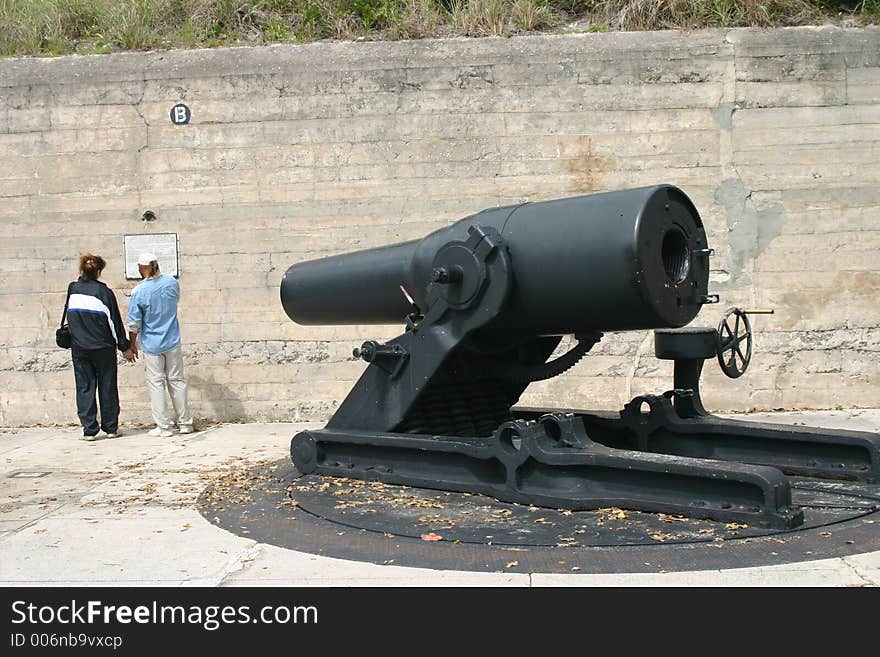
(431, 536)
(665, 517)
(513, 564)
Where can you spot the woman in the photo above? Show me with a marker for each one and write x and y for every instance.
(96, 331)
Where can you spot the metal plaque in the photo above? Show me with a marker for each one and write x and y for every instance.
(162, 245)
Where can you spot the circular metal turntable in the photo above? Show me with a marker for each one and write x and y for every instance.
(404, 526)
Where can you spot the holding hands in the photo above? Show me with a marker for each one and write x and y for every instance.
(131, 354)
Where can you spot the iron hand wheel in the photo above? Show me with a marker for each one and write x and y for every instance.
(733, 359)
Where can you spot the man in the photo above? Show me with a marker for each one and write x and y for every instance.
(152, 313)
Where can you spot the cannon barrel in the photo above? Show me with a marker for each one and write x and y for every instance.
(632, 259)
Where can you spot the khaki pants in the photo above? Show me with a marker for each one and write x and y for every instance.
(167, 369)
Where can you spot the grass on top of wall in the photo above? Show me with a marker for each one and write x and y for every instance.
(56, 27)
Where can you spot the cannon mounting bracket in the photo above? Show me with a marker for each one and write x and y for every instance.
(470, 283)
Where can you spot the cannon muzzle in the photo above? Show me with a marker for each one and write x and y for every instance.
(633, 259)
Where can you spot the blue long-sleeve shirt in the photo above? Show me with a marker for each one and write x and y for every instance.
(152, 312)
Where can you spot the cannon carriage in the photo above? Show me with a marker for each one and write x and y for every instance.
(485, 303)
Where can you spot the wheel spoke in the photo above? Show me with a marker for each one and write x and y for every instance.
(736, 349)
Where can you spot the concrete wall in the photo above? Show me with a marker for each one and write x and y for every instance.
(295, 152)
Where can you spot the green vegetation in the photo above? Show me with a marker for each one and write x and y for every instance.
(55, 27)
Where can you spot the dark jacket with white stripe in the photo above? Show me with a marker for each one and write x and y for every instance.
(93, 316)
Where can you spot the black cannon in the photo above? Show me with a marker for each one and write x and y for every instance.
(486, 302)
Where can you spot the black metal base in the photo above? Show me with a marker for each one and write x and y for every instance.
(654, 424)
(651, 456)
(552, 462)
(384, 524)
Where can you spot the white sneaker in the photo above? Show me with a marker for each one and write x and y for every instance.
(114, 435)
(159, 432)
(89, 438)
(186, 428)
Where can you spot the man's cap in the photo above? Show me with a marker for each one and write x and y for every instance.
(146, 258)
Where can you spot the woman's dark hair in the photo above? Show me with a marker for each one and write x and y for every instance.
(91, 265)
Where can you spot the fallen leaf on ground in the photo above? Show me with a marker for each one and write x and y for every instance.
(665, 517)
(513, 564)
(431, 536)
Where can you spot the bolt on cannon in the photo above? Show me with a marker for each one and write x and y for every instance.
(484, 304)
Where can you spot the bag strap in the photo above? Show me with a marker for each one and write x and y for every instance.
(66, 301)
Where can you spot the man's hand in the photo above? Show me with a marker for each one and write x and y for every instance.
(130, 354)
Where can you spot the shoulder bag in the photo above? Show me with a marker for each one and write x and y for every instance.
(62, 334)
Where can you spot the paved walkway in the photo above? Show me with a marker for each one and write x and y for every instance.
(122, 512)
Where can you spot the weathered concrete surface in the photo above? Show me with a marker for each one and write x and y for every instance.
(123, 512)
(295, 152)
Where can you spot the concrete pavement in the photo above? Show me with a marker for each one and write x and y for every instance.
(123, 512)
